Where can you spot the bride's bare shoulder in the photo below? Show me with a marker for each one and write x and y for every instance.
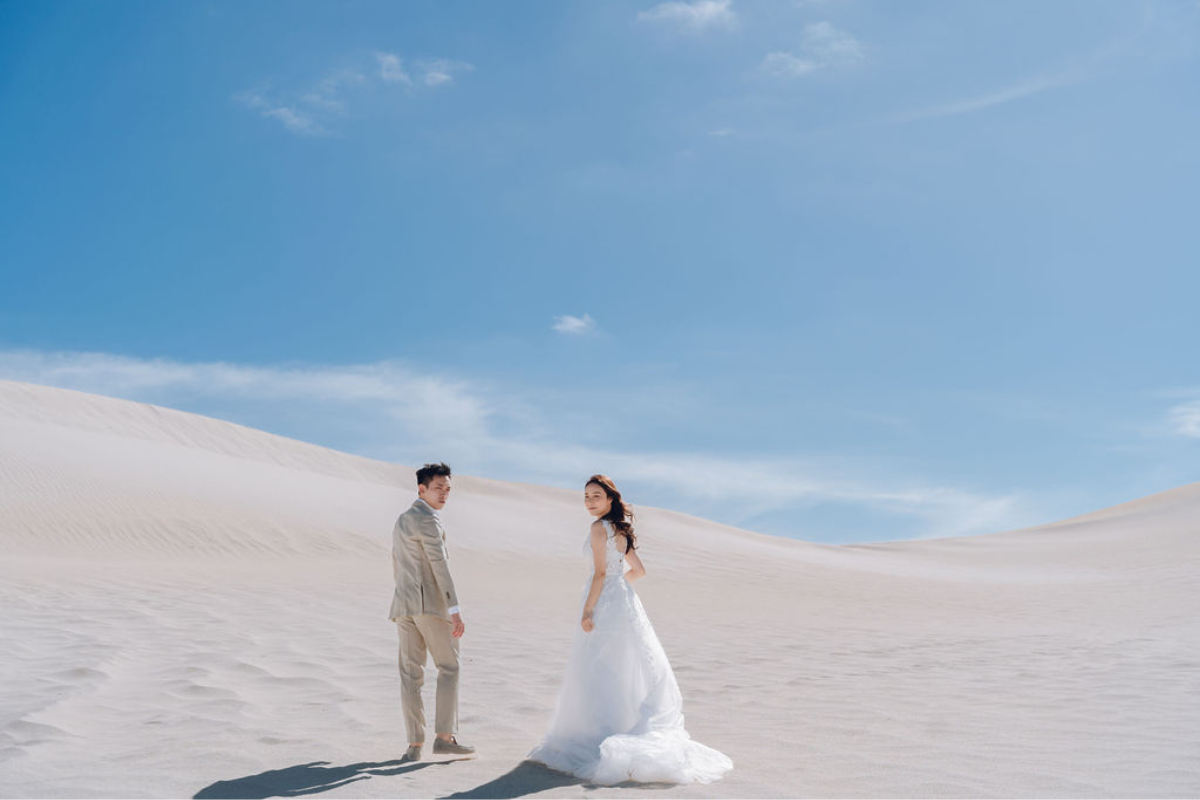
(598, 538)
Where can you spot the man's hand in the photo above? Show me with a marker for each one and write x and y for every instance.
(587, 623)
(459, 628)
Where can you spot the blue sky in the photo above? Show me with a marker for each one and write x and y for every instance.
(844, 271)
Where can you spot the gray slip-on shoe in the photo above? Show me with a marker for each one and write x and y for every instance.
(412, 754)
(452, 747)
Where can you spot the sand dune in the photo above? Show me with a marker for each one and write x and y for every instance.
(195, 608)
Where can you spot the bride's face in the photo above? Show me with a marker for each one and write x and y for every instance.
(596, 500)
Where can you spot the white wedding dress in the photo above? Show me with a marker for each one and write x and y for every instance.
(620, 714)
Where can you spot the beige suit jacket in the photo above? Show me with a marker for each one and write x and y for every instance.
(423, 583)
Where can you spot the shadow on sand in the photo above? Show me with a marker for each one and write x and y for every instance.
(312, 778)
(525, 778)
(530, 777)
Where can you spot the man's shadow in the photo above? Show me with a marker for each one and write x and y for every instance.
(528, 777)
(312, 778)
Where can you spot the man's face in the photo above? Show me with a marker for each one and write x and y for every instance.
(436, 492)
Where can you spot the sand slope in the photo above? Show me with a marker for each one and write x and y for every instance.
(194, 608)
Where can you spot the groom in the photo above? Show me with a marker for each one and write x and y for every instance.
(425, 610)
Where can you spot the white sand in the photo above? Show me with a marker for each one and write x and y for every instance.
(193, 608)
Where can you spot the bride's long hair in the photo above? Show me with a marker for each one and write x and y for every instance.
(620, 515)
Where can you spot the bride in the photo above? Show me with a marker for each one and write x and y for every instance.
(619, 715)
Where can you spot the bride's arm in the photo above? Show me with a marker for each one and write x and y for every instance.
(636, 570)
(599, 569)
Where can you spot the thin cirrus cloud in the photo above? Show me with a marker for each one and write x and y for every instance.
(442, 71)
(402, 413)
(1076, 72)
(693, 17)
(1185, 419)
(822, 47)
(305, 114)
(293, 118)
(574, 326)
(1017, 91)
(313, 111)
(435, 72)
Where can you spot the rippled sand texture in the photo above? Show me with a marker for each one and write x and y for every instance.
(193, 608)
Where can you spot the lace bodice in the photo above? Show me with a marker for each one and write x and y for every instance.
(614, 560)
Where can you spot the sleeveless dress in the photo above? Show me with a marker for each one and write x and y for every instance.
(619, 715)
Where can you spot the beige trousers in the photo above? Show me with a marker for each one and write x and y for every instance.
(420, 636)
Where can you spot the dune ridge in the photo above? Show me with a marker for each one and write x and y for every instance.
(196, 608)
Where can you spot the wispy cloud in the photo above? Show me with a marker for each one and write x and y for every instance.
(441, 71)
(574, 326)
(327, 94)
(293, 118)
(391, 70)
(1077, 71)
(1185, 419)
(414, 402)
(430, 73)
(692, 17)
(786, 65)
(822, 47)
(1017, 91)
(402, 413)
(314, 110)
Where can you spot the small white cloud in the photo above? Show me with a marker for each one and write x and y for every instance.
(829, 45)
(314, 111)
(391, 70)
(291, 117)
(822, 46)
(442, 70)
(721, 133)
(696, 16)
(1185, 418)
(786, 65)
(323, 102)
(326, 95)
(574, 326)
(295, 121)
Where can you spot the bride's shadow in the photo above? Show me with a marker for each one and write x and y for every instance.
(312, 778)
(530, 777)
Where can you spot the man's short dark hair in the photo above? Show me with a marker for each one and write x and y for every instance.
(427, 473)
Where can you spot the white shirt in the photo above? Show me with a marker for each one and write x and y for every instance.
(434, 511)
